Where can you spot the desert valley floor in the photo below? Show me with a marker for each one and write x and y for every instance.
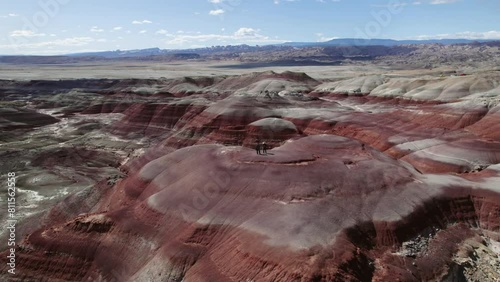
(137, 172)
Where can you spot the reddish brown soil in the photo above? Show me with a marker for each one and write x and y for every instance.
(335, 199)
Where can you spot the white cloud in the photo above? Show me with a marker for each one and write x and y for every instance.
(117, 28)
(215, 1)
(96, 29)
(242, 35)
(26, 33)
(143, 31)
(438, 2)
(162, 32)
(73, 41)
(323, 38)
(246, 32)
(394, 4)
(279, 1)
(492, 34)
(216, 12)
(142, 22)
(9, 15)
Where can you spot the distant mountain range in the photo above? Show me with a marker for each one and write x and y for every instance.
(381, 42)
(426, 53)
(186, 53)
(124, 53)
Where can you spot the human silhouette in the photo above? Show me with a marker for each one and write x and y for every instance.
(257, 148)
(264, 148)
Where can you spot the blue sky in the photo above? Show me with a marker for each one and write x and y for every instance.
(65, 26)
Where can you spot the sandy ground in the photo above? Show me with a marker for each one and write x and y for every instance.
(121, 70)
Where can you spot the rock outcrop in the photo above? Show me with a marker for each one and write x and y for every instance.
(14, 118)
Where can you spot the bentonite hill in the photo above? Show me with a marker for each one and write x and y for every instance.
(372, 173)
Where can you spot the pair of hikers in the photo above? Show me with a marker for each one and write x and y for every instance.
(261, 148)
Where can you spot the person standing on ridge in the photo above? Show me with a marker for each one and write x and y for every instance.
(257, 147)
(264, 148)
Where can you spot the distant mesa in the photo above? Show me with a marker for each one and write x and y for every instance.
(428, 53)
(383, 42)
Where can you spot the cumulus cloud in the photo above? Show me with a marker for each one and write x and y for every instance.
(323, 38)
(279, 1)
(487, 35)
(65, 42)
(73, 41)
(142, 22)
(397, 4)
(242, 35)
(438, 2)
(26, 33)
(9, 15)
(162, 32)
(216, 12)
(96, 29)
(245, 32)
